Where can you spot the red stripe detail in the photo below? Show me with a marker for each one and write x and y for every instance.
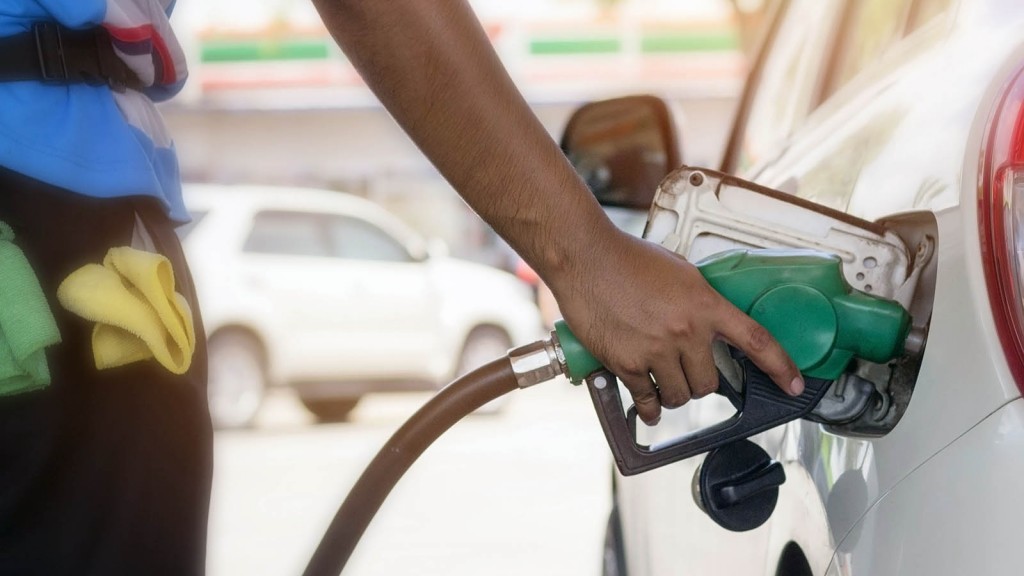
(147, 32)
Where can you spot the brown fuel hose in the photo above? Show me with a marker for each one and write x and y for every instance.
(450, 405)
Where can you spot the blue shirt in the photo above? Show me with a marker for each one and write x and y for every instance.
(90, 139)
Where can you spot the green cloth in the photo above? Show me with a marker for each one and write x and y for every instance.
(27, 326)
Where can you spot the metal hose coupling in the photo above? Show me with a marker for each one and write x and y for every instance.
(537, 362)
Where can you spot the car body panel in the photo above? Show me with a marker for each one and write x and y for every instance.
(664, 532)
(880, 146)
(958, 513)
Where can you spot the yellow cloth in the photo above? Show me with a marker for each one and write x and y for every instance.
(138, 314)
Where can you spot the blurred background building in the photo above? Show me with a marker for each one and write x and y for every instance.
(272, 100)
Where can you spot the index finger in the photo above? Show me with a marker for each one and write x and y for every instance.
(764, 350)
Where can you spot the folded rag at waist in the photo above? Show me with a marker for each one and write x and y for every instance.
(27, 327)
(138, 313)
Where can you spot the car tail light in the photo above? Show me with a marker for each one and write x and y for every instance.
(1001, 221)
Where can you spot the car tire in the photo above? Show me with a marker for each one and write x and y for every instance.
(613, 560)
(484, 344)
(237, 381)
(793, 562)
(332, 409)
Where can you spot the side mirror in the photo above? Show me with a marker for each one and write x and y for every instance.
(622, 148)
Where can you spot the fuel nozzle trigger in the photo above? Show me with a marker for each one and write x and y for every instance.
(760, 406)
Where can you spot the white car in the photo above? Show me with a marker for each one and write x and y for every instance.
(909, 114)
(332, 295)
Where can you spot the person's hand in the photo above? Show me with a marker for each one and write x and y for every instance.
(645, 312)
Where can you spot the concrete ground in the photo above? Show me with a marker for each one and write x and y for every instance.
(525, 491)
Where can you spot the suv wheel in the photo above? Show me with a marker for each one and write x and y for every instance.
(332, 409)
(237, 378)
(484, 344)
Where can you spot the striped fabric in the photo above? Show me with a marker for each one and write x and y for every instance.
(143, 38)
(90, 139)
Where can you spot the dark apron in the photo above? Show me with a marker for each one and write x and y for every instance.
(103, 472)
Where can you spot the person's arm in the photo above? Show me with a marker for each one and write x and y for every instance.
(638, 308)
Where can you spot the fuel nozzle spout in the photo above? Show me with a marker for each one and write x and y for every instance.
(916, 338)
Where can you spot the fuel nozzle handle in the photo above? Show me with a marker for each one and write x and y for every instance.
(802, 298)
(577, 362)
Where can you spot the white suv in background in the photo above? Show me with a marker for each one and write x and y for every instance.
(332, 295)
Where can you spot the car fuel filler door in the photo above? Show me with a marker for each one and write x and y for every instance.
(833, 289)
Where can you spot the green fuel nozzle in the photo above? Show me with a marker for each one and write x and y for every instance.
(801, 297)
